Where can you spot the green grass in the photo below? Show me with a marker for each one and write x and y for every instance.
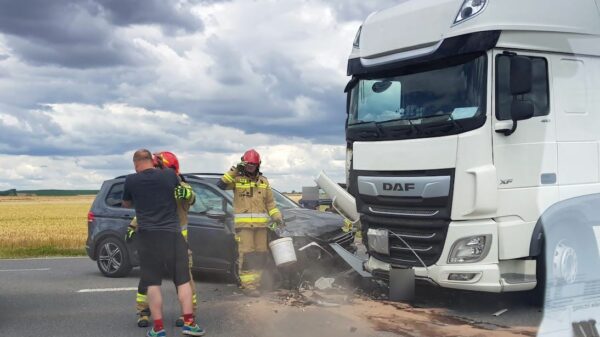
(47, 251)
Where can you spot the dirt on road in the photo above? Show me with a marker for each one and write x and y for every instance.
(272, 314)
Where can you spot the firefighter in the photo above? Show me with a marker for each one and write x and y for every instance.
(185, 198)
(254, 209)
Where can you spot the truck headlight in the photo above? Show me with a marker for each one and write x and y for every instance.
(469, 9)
(470, 249)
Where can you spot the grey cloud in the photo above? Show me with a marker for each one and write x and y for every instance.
(170, 14)
(82, 34)
(227, 69)
(82, 56)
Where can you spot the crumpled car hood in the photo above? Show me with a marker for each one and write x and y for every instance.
(308, 222)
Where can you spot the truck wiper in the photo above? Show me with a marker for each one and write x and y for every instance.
(360, 123)
(410, 124)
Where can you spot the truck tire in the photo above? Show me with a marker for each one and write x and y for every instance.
(569, 256)
(113, 258)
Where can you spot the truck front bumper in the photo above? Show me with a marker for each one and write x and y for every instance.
(489, 275)
(482, 277)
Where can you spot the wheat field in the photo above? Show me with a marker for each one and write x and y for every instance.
(43, 226)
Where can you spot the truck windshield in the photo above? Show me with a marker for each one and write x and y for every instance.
(451, 95)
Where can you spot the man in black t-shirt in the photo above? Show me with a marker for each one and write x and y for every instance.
(161, 243)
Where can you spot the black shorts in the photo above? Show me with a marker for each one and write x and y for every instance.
(160, 250)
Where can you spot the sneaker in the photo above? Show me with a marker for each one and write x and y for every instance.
(192, 330)
(179, 322)
(143, 321)
(152, 333)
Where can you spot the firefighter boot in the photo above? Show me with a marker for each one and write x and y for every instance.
(143, 318)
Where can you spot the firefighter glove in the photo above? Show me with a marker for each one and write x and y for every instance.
(130, 234)
(183, 193)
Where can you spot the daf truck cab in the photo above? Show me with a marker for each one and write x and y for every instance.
(473, 132)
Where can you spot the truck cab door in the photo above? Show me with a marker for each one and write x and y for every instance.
(527, 157)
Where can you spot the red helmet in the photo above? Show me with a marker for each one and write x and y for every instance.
(251, 157)
(166, 159)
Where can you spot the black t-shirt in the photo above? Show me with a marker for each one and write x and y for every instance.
(152, 193)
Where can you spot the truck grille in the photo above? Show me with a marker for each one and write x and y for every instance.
(420, 218)
(425, 236)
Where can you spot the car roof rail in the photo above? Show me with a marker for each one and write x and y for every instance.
(119, 177)
(204, 174)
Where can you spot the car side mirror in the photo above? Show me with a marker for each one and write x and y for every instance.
(216, 214)
(521, 75)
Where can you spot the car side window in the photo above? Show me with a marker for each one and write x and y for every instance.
(114, 198)
(539, 89)
(207, 199)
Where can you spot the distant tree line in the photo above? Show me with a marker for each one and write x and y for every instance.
(48, 193)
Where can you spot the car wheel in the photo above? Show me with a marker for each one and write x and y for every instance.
(113, 258)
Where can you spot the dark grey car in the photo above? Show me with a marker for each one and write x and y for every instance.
(210, 229)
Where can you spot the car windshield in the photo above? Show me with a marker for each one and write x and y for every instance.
(452, 93)
(281, 200)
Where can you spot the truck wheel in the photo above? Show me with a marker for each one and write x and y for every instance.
(113, 258)
(569, 256)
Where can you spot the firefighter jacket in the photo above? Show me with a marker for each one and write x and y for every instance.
(253, 203)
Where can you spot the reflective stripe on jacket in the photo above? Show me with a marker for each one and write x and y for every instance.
(253, 203)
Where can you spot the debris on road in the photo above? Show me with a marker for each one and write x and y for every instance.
(324, 283)
(500, 312)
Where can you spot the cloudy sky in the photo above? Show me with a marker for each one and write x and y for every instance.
(83, 83)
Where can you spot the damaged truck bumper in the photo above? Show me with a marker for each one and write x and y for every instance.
(477, 277)
(485, 272)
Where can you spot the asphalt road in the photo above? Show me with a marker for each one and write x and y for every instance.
(69, 297)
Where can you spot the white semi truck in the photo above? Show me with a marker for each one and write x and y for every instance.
(473, 134)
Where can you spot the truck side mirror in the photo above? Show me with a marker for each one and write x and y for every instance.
(521, 83)
(521, 110)
(521, 75)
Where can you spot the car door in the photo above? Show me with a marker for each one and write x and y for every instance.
(111, 217)
(210, 228)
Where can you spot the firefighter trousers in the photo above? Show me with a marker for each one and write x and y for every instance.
(252, 255)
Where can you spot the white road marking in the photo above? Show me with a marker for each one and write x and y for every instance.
(102, 290)
(36, 269)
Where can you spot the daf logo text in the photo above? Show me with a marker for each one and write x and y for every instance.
(398, 187)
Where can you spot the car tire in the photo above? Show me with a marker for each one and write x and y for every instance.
(113, 258)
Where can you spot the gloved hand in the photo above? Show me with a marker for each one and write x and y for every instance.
(241, 165)
(278, 223)
(183, 193)
(130, 234)
(272, 226)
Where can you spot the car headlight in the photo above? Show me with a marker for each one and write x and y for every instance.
(469, 9)
(470, 249)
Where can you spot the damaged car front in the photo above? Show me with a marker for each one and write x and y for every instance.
(312, 232)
